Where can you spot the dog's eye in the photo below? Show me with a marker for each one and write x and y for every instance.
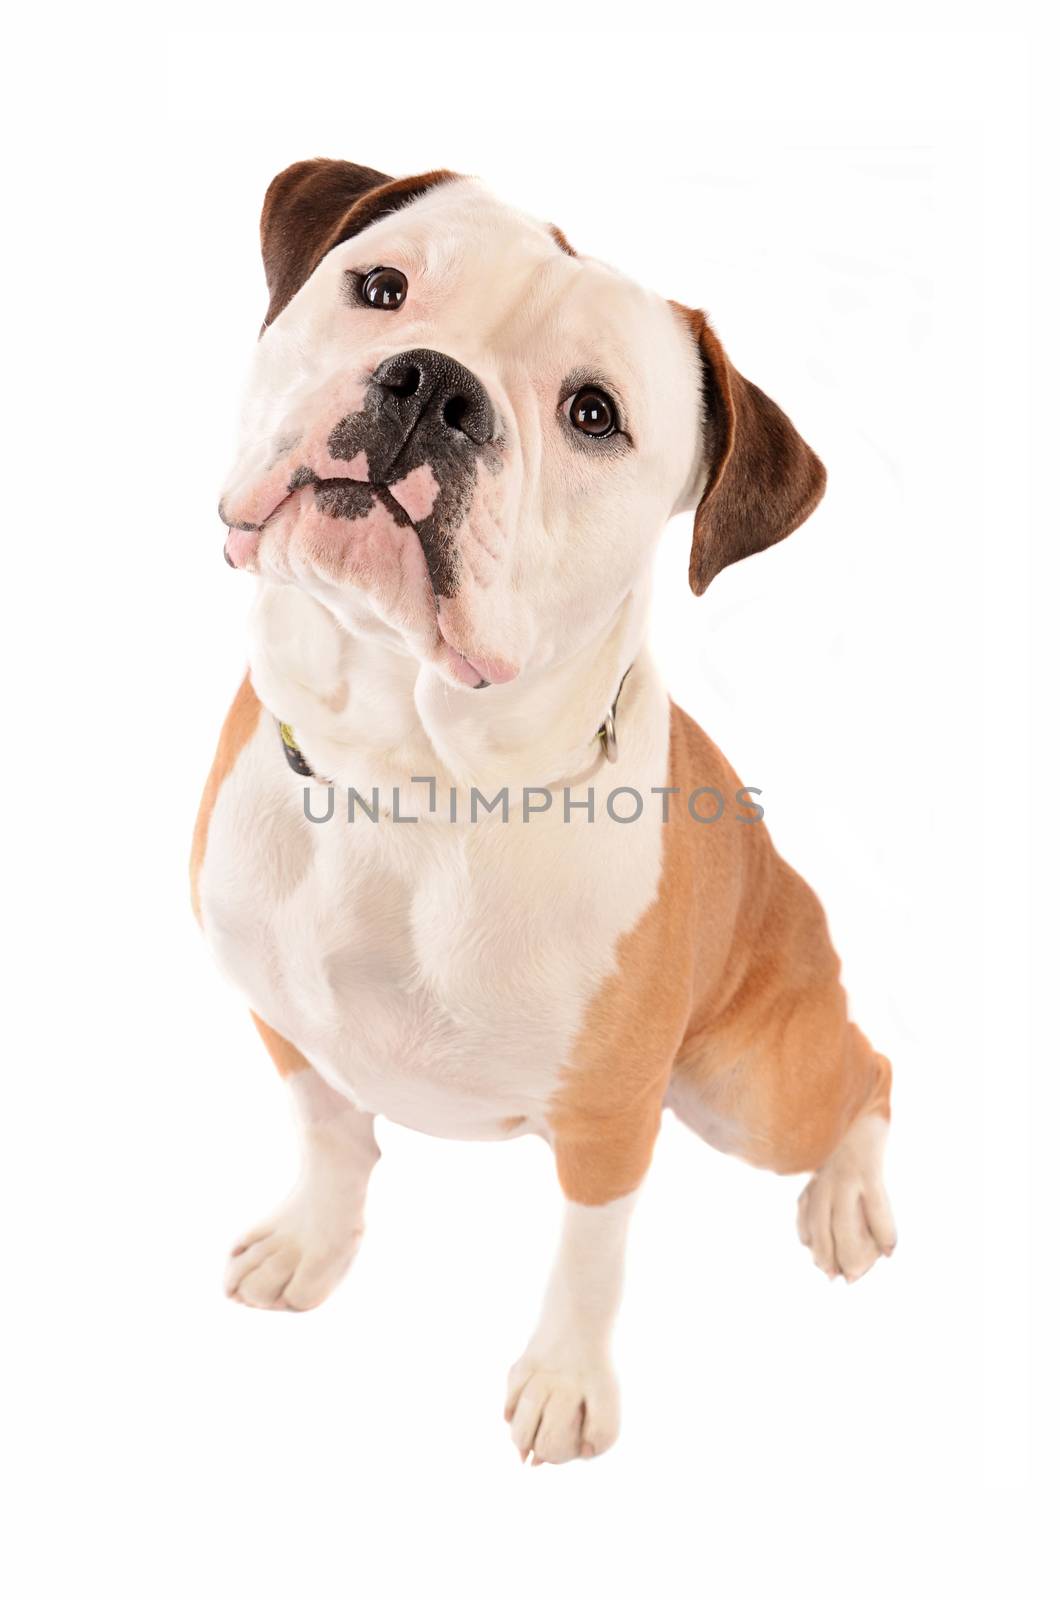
(593, 412)
(384, 289)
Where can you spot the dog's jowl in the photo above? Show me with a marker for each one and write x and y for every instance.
(460, 446)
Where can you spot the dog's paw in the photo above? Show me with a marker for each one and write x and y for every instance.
(559, 1412)
(291, 1262)
(844, 1214)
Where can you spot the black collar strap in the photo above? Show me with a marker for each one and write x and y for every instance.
(606, 733)
(295, 759)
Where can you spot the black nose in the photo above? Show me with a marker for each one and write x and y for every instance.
(429, 388)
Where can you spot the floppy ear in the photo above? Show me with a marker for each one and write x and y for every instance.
(763, 479)
(313, 206)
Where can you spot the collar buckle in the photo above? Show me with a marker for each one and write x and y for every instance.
(606, 732)
(608, 736)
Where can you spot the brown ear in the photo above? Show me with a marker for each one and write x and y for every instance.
(763, 478)
(313, 206)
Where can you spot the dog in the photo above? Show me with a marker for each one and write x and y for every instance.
(546, 905)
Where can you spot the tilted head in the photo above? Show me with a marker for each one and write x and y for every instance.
(460, 434)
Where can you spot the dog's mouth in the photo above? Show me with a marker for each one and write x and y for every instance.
(349, 497)
(351, 500)
(337, 497)
(341, 498)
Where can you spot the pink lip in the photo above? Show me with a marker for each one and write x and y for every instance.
(478, 671)
(241, 542)
(463, 669)
(241, 545)
(474, 670)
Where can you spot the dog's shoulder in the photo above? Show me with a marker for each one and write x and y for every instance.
(238, 729)
(695, 759)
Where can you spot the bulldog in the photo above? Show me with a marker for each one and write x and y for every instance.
(543, 903)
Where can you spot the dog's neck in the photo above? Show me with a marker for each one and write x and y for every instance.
(367, 714)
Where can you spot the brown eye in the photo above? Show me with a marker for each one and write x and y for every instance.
(593, 412)
(384, 288)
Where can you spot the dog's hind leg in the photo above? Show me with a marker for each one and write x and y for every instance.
(844, 1216)
(808, 1095)
(294, 1259)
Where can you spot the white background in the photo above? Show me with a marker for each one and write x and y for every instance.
(854, 209)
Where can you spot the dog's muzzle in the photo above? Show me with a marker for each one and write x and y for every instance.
(414, 449)
(425, 416)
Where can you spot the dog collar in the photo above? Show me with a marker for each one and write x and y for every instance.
(606, 733)
(295, 759)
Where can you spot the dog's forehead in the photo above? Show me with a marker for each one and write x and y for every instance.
(513, 276)
(452, 225)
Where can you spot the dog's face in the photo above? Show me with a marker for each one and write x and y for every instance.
(462, 436)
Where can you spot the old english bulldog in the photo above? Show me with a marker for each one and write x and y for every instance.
(526, 912)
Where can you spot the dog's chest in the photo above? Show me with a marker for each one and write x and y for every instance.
(439, 972)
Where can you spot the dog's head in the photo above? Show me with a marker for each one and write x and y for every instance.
(463, 435)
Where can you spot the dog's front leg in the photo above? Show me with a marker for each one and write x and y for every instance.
(562, 1392)
(294, 1258)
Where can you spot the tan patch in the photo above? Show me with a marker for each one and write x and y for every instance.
(728, 982)
(239, 725)
(288, 1060)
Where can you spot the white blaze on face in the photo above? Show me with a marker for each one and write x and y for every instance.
(556, 529)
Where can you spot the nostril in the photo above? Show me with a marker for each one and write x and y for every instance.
(455, 410)
(402, 381)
